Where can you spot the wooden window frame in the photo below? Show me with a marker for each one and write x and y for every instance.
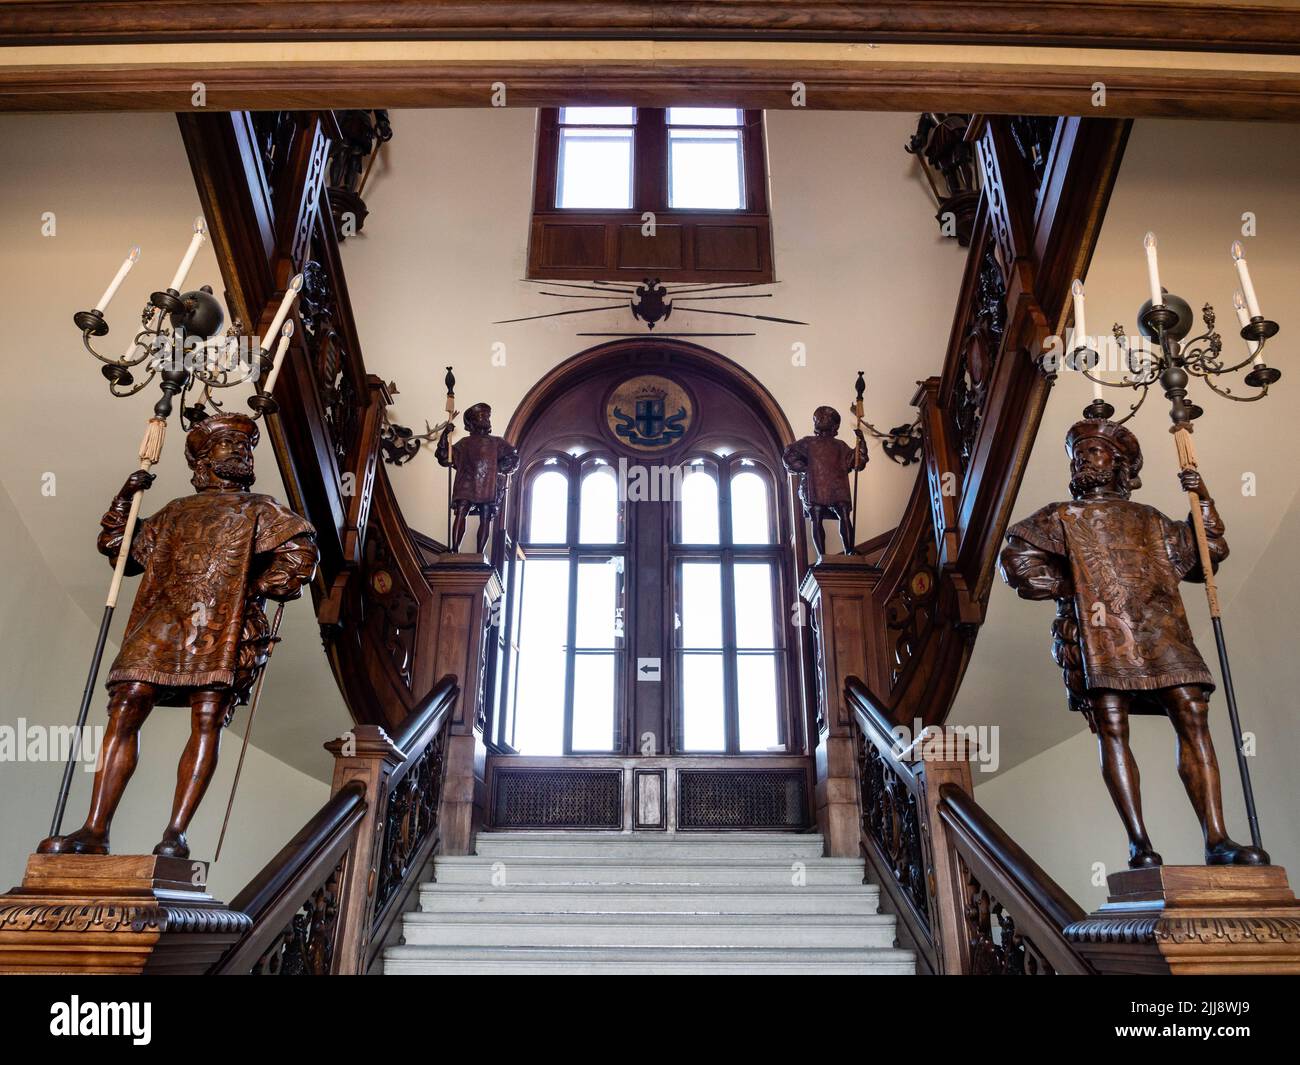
(575, 552)
(690, 244)
(728, 553)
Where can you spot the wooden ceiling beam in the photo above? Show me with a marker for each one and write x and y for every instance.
(1180, 24)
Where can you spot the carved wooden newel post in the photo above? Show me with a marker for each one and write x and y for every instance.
(838, 591)
(465, 591)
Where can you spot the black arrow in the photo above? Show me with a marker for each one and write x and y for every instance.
(649, 669)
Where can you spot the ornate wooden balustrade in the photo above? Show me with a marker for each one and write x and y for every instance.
(968, 899)
(331, 899)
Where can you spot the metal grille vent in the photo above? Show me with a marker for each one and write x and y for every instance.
(557, 798)
(742, 799)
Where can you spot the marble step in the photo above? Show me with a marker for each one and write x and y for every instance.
(549, 929)
(793, 873)
(770, 845)
(666, 898)
(575, 961)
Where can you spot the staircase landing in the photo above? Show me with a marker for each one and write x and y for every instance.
(596, 902)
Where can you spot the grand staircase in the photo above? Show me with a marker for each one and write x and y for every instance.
(592, 902)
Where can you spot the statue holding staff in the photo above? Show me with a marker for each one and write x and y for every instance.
(823, 462)
(1121, 635)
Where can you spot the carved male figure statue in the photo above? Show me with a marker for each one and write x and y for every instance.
(483, 465)
(823, 462)
(197, 634)
(1121, 635)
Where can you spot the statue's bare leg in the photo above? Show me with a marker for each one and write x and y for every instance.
(1120, 772)
(816, 517)
(846, 527)
(485, 519)
(197, 766)
(458, 527)
(1189, 710)
(129, 704)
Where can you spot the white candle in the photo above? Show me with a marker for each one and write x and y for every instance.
(290, 294)
(1153, 271)
(1243, 318)
(118, 278)
(1243, 274)
(1080, 326)
(278, 359)
(196, 242)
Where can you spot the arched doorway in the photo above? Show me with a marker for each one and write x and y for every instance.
(649, 554)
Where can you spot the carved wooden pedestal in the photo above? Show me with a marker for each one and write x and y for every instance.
(1194, 919)
(121, 914)
(838, 592)
(465, 588)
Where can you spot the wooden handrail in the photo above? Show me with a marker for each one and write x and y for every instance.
(918, 808)
(426, 718)
(999, 882)
(289, 880)
(962, 812)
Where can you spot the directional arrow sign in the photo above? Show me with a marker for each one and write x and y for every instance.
(648, 669)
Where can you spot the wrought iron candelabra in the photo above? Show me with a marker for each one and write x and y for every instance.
(1172, 361)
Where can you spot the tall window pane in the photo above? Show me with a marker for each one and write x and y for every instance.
(595, 161)
(598, 507)
(757, 701)
(543, 624)
(701, 612)
(751, 516)
(754, 608)
(548, 514)
(699, 507)
(703, 703)
(593, 702)
(597, 603)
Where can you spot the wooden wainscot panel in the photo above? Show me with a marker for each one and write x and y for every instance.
(731, 247)
(663, 251)
(571, 245)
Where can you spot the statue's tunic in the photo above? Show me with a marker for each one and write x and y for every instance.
(1125, 561)
(482, 463)
(824, 463)
(208, 561)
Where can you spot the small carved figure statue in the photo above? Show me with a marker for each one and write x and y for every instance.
(197, 635)
(483, 465)
(823, 463)
(1121, 635)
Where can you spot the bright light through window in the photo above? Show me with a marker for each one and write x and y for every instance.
(595, 164)
(705, 158)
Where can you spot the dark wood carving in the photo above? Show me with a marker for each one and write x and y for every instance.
(1121, 635)
(306, 945)
(822, 463)
(978, 352)
(410, 820)
(997, 947)
(197, 635)
(890, 816)
(911, 612)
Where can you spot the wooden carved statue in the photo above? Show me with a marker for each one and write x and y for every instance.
(483, 465)
(823, 462)
(1121, 635)
(197, 635)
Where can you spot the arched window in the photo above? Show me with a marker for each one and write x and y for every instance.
(650, 589)
(567, 625)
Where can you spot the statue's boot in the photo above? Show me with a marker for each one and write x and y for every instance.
(1143, 857)
(1229, 852)
(83, 841)
(173, 845)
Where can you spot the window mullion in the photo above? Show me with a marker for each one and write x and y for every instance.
(650, 159)
(571, 634)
